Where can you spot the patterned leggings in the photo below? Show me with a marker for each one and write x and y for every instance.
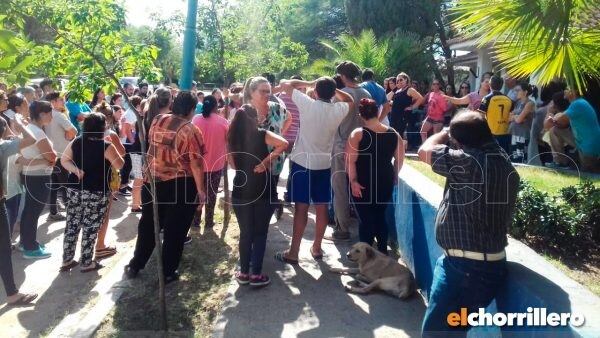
(85, 209)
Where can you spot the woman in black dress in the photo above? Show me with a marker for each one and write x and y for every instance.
(372, 174)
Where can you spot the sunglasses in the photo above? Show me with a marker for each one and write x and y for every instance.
(464, 87)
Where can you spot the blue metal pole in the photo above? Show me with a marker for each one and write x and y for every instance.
(189, 47)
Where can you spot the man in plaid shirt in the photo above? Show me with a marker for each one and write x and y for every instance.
(472, 220)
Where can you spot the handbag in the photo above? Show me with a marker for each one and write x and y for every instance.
(115, 179)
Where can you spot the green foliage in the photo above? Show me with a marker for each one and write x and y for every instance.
(386, 16)
(87, 42)
(253, 38)
(566, 223)
(389, 55)
(548, 38)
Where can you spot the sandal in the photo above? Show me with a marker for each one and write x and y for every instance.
(316, 256)
(68, 267)
(106, 252)
(25, 299)
(92, 267)
(281, 256)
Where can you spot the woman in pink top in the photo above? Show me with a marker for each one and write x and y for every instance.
(436, 108)
(214, 130)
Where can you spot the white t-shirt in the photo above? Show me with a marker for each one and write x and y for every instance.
(130, 119)
(33, 152)
(319, 121)
(56, 131)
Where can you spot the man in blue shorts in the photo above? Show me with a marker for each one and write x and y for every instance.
(310, 174)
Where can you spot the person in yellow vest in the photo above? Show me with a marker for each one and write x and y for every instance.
(497, 107)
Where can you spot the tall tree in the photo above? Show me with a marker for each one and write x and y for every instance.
(548, 38)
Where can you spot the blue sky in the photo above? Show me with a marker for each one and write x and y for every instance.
(138, 11)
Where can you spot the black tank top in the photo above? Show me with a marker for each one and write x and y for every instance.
(88, 155)
(374, 168)
(401, 101)
(248, 185)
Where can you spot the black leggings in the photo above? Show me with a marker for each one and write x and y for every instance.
(253, 218)
(177, 203)
(6, 270)
(373, 224)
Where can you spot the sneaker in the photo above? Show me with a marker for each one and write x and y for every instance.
(56, 217)
(242, 278)
(259, 280)
(124, 192)
(337, 235)
(40, 253)
(188, 240)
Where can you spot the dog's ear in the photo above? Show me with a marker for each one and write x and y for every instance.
(370, 252)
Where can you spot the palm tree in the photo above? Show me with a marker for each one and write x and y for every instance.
(365, 50)
(545, 38)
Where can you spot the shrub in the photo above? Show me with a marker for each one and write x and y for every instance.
(567, 223)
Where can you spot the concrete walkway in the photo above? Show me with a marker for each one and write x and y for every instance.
(309, 301)
(61, 294)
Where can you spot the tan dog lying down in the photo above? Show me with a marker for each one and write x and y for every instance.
(377, 271)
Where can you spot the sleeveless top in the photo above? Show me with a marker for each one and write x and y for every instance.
(401, 101)
(374, 168)
(522, 129)
(248, 185)
(88, 155)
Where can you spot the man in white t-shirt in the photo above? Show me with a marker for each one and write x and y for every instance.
(60, 132)
(310, 174)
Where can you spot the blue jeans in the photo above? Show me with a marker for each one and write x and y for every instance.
(253, 218)
(457, 283)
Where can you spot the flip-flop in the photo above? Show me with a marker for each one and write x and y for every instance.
(280, 256)
(97, 266)
(25, 299)
(318, 256)
(68, 267)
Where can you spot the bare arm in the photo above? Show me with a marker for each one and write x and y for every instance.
(287, 123)
(418, 99)
(457, 100)
(128, 131)
(351, 158)
(398, 158)
(67, 162)
(47, 152)
(345, 97)
(279, 145)
(112, 155)
(387, 107)
(427, 148)
(28, 138)
(528, 110)
(114, 139)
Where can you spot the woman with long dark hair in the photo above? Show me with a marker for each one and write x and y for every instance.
(249, 155)
(214, 130)
(371, 172)
(176, 168)
(88, 159)
(405, 100)
(99, 96)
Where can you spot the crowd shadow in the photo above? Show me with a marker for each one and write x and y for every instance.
(307, 300)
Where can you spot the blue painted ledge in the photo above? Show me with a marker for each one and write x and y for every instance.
(531, 282)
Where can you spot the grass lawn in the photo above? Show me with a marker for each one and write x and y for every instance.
(193, 303)
(588, 274)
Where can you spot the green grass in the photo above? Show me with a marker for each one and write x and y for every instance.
(542, 179)
(550, 181)
(193, 302)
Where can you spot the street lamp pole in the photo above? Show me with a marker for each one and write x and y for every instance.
(189, 47)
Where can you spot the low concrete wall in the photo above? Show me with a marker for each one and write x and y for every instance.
(531, 282)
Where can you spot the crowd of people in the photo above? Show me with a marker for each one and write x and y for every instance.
(344, 139)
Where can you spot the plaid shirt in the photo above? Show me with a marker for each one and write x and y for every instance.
(175, 146)
(479, 197)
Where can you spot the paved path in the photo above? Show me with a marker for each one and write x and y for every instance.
(309, 301)
(61, 293)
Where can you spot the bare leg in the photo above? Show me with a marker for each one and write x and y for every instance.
(137, 193)
(322, 218)
(437, 128)
(300, 220)
(104, 227)
(425, 128)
